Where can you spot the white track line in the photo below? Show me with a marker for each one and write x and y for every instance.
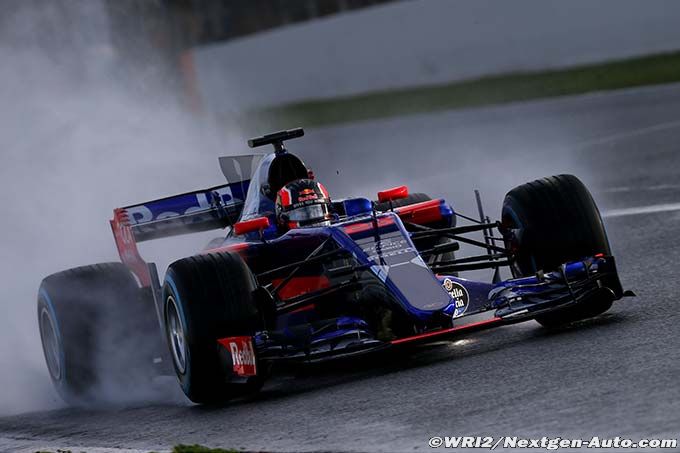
(619, 189)
(666, 207)
(627, 134)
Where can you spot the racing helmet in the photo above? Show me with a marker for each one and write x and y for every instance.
(303, 203)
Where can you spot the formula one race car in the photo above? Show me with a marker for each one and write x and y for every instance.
(301, 277)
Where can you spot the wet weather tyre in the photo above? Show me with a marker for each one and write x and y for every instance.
(551, 221)
(91, 320)
(413, 198)
(208, 297)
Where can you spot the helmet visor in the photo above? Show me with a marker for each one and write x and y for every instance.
(309, 214)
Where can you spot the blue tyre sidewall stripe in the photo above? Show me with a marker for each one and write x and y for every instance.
(186, 381)
(53, 313)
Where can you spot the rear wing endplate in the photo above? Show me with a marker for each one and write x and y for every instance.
(209, 209)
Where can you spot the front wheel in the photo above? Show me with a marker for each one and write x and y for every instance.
(551, 221)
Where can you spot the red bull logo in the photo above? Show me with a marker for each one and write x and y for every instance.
(242, 355)
(307, 194)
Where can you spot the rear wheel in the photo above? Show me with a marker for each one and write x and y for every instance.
(99, 335)
(208, 297)
(551, 221)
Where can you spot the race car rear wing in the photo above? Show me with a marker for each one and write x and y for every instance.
(203, 210)
(213, 208)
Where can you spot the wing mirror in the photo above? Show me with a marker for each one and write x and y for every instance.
(248, 226)
(395, 193)
(357, 206)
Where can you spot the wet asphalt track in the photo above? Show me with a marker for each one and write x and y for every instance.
(614, 375)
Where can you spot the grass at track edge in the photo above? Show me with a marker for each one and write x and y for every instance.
(493, 90)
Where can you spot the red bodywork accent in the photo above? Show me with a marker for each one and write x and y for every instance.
(284, 197)
(127, 247)
(421, 213)
(242, 355)
(359, 227)
(437, 333)
(238, 247)
(324, 191)
(395, 193)
(248, 226)
(301, 285)
(304, 308)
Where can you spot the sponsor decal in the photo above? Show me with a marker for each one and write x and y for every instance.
(387, 247)
(381, 272)
(242, 355)
(459, 294)
(307, 195)
(178, 205)
(306, 202)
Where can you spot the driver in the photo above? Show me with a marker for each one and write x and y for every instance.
(303, 203)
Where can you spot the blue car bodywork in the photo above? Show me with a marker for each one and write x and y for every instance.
(372, 279)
